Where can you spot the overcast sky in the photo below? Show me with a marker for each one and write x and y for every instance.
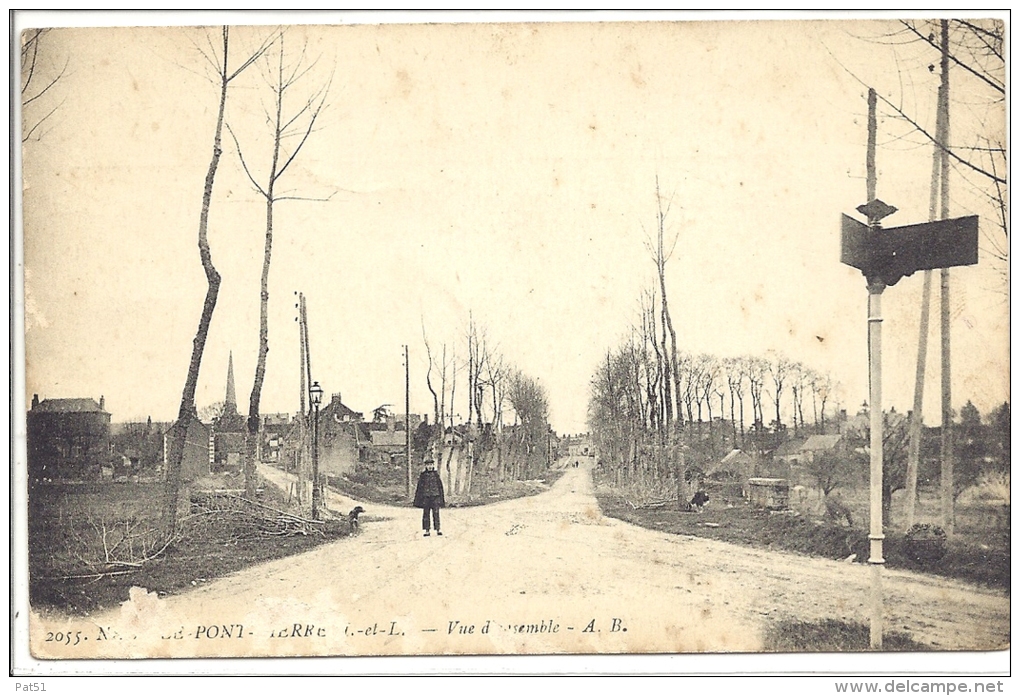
(506, 171)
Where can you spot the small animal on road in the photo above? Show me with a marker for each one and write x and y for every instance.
(698, 502)
(352, 519)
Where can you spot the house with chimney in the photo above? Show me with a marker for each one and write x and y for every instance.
(343, 441)
(342, 437)
(68, 439)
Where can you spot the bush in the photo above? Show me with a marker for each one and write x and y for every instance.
(925, 543)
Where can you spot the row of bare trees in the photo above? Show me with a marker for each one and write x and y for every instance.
(496, 391)
(735, 391)
(653, 407)
(722, 401)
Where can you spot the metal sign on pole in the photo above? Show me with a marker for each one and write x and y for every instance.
(885, 256)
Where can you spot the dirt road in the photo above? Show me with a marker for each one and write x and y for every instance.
(546, 574)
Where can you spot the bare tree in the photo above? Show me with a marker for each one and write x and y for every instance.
(450, 482)
(821, 390)
(495, 380)
(688, 370)
(661, 255)
(477, 358)
(756, 372)
(736, 372)
(281, 76)
(779, 369)
(530, 403)
(437, 414)
(798, 385)
(653, 371)
(225, 75)
(39, 76)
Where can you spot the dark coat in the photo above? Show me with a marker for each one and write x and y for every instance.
(429, 486)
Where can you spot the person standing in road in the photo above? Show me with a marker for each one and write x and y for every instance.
(429, 496)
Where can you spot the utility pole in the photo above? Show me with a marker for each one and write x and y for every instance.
(307, 376)
(917, 414)
(407, 421)
(301, 337)
(299, 461)
(948, 516)
(315, 394)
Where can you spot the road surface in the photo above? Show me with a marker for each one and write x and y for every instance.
(545, 574)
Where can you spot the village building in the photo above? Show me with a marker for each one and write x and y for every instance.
(580, 447)
(275, 427)
(735, 466)
(68, 439)
(137, 448)
(228, 429)
(341, 438)
(196, 461)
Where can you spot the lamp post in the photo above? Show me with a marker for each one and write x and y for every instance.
(315, 396)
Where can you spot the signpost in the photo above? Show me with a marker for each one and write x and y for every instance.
(885, 256)
(896, 252)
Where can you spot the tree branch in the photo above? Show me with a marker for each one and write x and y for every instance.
(244, 165)
(981, 33)
(256, 55)
(942, 147)
(38, 123)
(984, 78)
(305, 198)
(308, 131)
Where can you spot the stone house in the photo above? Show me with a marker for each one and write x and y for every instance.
(68, 439)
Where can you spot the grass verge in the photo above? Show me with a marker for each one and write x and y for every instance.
(832, 635)
(815, 537)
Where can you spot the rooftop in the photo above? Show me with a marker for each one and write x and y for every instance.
(86, 405)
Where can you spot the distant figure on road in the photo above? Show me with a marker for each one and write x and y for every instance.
(429, 495)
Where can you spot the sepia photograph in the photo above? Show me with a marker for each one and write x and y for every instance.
(350, 335)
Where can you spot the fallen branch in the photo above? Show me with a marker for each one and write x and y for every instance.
(86, 576)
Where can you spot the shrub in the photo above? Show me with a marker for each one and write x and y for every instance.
(925, 543)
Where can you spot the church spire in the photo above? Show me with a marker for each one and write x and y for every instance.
(231, 400)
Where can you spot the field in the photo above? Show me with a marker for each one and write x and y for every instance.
(979, 552)
(89, 544)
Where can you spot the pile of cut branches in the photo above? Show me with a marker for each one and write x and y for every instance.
(251, 518)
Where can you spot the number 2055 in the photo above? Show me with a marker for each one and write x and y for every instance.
(65, 637)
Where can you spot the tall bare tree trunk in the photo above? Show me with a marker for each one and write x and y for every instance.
(282, 82)
(254, 420)
(188, 412)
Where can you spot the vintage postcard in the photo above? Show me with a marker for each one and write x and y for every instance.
(514, 335)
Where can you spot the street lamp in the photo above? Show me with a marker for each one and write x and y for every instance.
(315, 396)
